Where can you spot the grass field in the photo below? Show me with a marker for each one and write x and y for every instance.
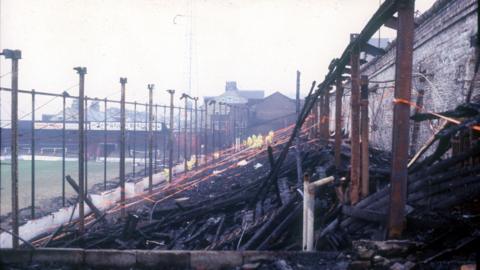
(48, 180)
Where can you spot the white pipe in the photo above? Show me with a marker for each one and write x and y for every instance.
(309, 209)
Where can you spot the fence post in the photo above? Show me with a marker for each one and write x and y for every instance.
(105, 146)
(63, 146)
(14, 55)
(81, 147)
(205, 141)
(123, 81)
(145, 145)
(134, 136)
(179, 131)
(196, 131)
(33, 154)
(170, 138)
(190, 137)
(1, 145)
(150, 137)
(212, 119)
(200, 133)
(185, 160)
(220, 125)
(156, 138)
(401, 113)
(86, 146)
(234, 130)
(164, 136)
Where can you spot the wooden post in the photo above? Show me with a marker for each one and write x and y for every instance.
(338, 123)
(401, 114)
(326, 115)
(355, 126)
(298, 158)
(364, 135)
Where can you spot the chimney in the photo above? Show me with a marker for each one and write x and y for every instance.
(231, 86)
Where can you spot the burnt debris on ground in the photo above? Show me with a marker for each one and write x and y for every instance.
(212, 209)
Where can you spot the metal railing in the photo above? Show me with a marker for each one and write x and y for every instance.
(90, 137)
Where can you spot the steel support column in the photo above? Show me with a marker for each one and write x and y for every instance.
(401, 121)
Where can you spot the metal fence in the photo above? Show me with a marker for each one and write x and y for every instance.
(103, 142)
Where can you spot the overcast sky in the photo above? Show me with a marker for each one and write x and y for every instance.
(260, 44)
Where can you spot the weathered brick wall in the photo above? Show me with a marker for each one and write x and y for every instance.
(443, 52)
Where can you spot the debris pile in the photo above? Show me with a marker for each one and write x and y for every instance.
(214, 212)
(442, 209)
(218, 207)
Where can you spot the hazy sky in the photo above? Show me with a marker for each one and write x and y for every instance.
(260, 44)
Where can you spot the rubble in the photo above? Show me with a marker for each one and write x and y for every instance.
(215, 213)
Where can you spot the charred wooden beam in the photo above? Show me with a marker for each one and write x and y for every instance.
(355, 125)
(77, 189)
(401, 114)
(372, 50)
(364, 214)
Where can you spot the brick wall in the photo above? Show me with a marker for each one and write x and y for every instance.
(443, 66)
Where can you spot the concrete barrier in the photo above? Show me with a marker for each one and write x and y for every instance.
(150, 259)
(103, 201)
